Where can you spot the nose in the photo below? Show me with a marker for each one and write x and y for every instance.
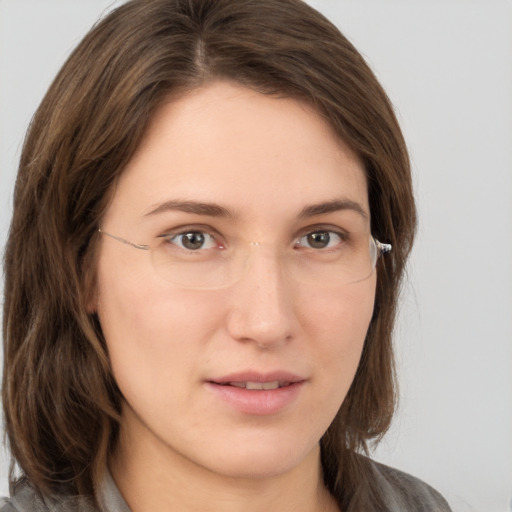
(262, 307)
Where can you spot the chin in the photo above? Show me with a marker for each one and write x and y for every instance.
(262, 460)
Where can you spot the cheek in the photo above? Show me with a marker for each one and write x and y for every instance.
(338, 322)
(340, 316)
(150, 331)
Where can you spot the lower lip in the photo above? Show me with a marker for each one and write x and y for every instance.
(258, 402)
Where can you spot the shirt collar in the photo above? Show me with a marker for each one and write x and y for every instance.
(109, 496)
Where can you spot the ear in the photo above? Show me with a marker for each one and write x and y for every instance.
(89, 278)
(90, 285)
(92, 302)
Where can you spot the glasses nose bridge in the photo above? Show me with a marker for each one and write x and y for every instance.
(256, 254)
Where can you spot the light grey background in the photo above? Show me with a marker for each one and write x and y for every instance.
(447, 66)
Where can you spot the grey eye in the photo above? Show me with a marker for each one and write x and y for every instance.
(319, 239)
(193, 240)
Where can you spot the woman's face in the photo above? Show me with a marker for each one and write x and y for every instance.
(233, 167)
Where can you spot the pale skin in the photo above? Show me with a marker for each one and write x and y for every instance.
(264, 160)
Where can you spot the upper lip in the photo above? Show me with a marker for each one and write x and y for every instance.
(255, 376)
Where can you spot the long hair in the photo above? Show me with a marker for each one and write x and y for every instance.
(61, 403)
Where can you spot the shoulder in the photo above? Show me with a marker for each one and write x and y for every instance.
(27, 499)
(24, 499)
(5, 505)
(403, 492)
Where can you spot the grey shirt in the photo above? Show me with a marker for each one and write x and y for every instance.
(399, 491)
(27, 499)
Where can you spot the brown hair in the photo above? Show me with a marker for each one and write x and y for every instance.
(61, 403)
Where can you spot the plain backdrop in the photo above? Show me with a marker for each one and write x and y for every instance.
(447, 67)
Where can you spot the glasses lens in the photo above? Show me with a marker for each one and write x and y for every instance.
(320, 261)
(194, 270)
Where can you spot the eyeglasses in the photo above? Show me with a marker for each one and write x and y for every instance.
(194, 258)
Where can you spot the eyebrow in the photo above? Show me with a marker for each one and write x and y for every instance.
(215, 210)
(332, 206)
(198, 208)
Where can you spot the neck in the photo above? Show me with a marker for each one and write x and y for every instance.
(156, 480)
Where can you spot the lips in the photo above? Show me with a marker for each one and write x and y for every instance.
(258, 385)
(258, 393)
(258, 380)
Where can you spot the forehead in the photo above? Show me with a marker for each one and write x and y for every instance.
(247, 151)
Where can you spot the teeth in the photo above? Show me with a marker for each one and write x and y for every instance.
(253, 385)
(237, 384)
(258, 385)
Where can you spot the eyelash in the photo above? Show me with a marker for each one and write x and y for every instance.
(171, 236)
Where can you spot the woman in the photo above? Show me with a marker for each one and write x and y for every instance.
(198, 305)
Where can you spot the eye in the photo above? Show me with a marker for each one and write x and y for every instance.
(192, 240)
(320, 239)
